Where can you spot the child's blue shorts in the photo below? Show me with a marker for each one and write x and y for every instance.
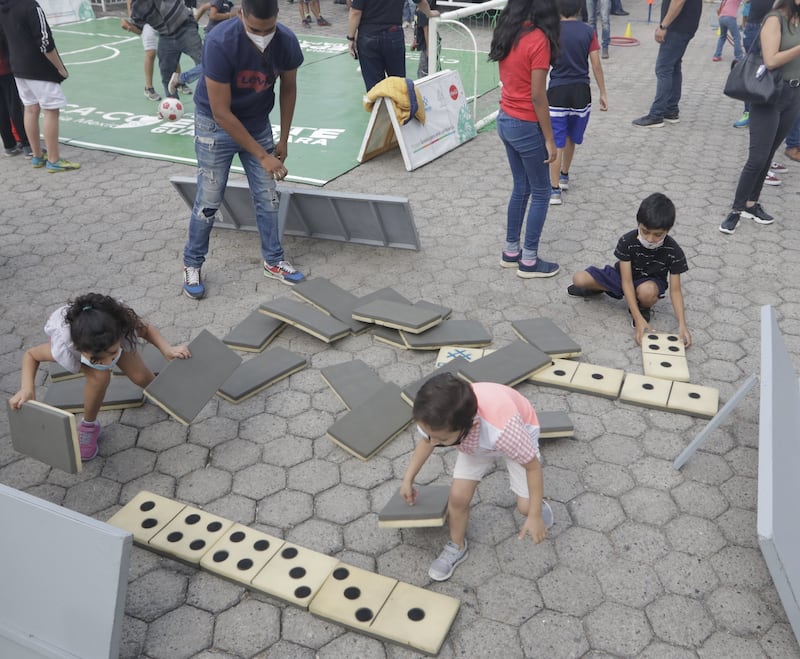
(609, 278)
(570, 107)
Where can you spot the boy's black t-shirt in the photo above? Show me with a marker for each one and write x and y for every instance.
(666, 260)
(29, 38)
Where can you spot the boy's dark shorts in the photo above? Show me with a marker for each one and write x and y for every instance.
(570, 107)
(610, 279)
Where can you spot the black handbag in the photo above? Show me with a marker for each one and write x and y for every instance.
(751, 81)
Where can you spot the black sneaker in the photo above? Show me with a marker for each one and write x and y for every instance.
(757, 214)
(648, 121)
(672, 118)
(579, 291)
(730, 222)
(645, 314)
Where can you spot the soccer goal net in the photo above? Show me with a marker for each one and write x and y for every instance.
(459, 39)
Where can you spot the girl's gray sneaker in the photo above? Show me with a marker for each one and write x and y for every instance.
(442, 568)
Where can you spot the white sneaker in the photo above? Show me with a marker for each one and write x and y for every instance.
(771, 179)
(442, 568)
(174, 82)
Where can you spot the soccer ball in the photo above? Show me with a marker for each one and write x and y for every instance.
(170, 109)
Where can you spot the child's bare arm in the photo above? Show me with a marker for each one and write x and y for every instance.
(597, 70)
(422, 451)
(30, 364)
(534, 525)
(151, 334)
(629, 291)
(676, 297)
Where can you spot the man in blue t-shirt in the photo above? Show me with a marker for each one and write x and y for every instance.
(243, 58)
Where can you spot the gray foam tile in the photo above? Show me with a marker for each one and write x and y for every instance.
(397, 315)
(254, 333)
(555, 424)
(416, 617)
(547, 336)
(386, 293)
(440, 309)
(429, 509)
(184, 387)
(353, 382)
(389, 336)
(410, 391)
(352, 597)
(364, 430)
(508, 365)
(145, 515)
(68, 394)
(258, 373)
(330, 298)
(306, 318)
(46, 434)
(467, 333)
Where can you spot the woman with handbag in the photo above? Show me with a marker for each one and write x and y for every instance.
(770, 121)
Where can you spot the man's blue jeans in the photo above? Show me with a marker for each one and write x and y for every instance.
(793, 138)
(171, 47)
(215, 150)
(604, 7)
(526, 151)
(381, 54)
(669, 77)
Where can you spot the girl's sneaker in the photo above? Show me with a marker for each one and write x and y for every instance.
(88, 434)
(778, 168)
(38, 163)
(509, 260)
(538, 268)
(61, 166)
(555, 197)
(563, 181)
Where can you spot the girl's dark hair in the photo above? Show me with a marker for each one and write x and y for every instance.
(96, 322)
(445, 402)
(520, 17)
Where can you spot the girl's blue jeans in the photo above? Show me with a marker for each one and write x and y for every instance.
(526, 151)
(728, 25)
(215, 150)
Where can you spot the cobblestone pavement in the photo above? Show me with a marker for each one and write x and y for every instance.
(642, 561)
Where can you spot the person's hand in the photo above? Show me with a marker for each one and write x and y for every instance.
(534, 525)
(274, 167)
(603, 103)
(353, 52)
(21, 397)
(660, 34)
(686, 337)
(408, 493)
(640, 329)
(125, 24)
(178, 352)
(552, 151)
(281, 151)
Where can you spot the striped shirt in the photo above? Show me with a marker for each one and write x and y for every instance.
(508, 425)
(165, 16)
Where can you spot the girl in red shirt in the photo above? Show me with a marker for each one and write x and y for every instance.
(525, 44)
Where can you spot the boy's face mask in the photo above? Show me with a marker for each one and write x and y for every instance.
(650, 245)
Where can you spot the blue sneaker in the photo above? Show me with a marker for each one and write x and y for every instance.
(555, 197)
(283, 271)
(62, 165)
(539, 268)
(192, 283)
(509, 260)
(742, 121)
(38, 163)
(563, 181)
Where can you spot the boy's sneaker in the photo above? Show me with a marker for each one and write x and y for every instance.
(322, 22)
(539, 268)
(649, 121)
(742, 121)
(579, 291)
(193, 283)
(672, 118)
(172, 85)
(778, 168)
(442, 568)
(183, 88)
(283, 271)
(307, 20)
(14, 150)
(152, 94)
(771, 179)
(729, 223)
(716, 58)
(38, 163)
(555, 197)
(563, 181)
(757, 214)
(61, 165)
(88, 433)
(645, 314)
(509, 260)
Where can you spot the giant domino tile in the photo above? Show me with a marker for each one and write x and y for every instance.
(376, 605)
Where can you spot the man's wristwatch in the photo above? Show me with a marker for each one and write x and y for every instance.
(661, 27)
(349, 38)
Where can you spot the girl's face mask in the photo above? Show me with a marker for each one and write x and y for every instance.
(102, 367)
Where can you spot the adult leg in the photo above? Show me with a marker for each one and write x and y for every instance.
(793, 141)
(265, 199)
(149, 66)
(169, 55)
(605, 22)
(371, 60)
(7, 135)
(189, 42)
(668, 73)
(520, 190)
(394, 53)
(50, 132)
(764, 120)
(674, 96)
(31, 120)
(214, 149)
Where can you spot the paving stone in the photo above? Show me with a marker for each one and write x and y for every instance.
(683, 574)
(741, 491)
(739, 527)
(247, 628)
(234, 507)
(638, 542)
(287, 451)
(722, 645)
(129, 464)
(617, 449)
(553, 634)
(650, 506)
(213, 431)
(203, 485)
(305, 631)
(739, 612)
(182, 459)
(90, 497)
(179, 634)
(285, 509)
(263, 428)
(620, 630)
(655, 473)
(561, 484)
(208, 592)
(679, 620)
(570, 591)
(509, 599)
(528, 564)
(342, 504)
(659, 650)
(779, 641)
(609, 479)
(695, 536)
(492, 523)
(132, 638)
(258, 481)
(352, 644)
(320, 535)
(313, 476)
(699, 499)
(583, 548)
(155, 593)
(626, 582)
(162, 436)
(488, 638)
(154, 482)
(24, 473)
(596, 512)
(741, 567)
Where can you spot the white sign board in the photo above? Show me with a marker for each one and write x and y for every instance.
(66, 11)
(448, 123)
